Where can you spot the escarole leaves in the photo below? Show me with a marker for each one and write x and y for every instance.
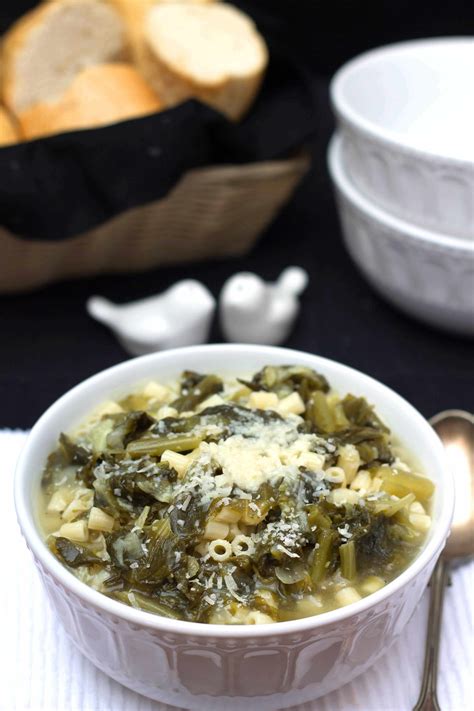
(128, 427)
(286, 379)
(195, 389)
(222, 509)
(73, 554)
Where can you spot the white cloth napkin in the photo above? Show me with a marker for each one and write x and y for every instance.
(40, 669)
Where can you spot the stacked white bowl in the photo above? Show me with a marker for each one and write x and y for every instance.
(402, 163)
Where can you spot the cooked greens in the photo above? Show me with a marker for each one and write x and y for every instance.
(238, 502)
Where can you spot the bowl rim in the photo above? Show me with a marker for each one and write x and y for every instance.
(152, 622)
(346, 113)
(350, 192)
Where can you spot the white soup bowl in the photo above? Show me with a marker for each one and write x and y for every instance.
(406, 115)
(427, 274)
(198, 666)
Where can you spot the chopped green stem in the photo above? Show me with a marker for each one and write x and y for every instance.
(347, 554)
(148, 604)
(390, 507)
(317, 518)
(155, 446)
(322, 555)
(402, 483)
(321, 414)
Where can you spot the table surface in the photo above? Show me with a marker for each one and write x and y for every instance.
(49, 343)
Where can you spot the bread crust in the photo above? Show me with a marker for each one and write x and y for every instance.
(98, 96)
(8, 131)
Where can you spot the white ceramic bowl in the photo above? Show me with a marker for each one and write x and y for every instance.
(204, 667)
(428, 275)
(406, 113)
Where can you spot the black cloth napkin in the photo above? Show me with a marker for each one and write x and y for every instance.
(58, 187)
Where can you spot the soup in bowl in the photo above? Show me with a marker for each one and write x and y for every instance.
(224, 523)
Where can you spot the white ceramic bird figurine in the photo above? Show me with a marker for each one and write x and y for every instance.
(180, 316)
(255, 311)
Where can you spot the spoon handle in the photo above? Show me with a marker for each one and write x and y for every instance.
(427, 700)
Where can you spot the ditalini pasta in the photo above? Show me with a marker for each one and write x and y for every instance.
(235, 501)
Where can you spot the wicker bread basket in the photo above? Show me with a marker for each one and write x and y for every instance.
(212, 212)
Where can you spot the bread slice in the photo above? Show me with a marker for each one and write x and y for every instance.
(99, 95)
(209, 51)
(47, 47)
(8, 131)
(133, 12)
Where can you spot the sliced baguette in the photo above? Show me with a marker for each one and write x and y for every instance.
(8, 131)
(47, 47)
(99, 95)
(133, 13)
(212, 52)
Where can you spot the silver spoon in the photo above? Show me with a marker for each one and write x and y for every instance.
(456, 430)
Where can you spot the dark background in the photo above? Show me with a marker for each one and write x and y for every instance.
(48, 343)
(327, 33)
